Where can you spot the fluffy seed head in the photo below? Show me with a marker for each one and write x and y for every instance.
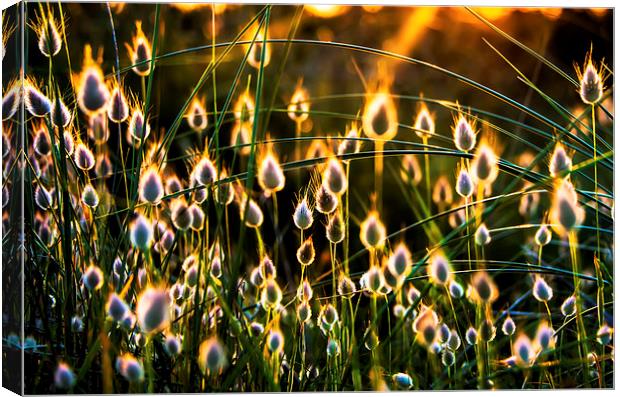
(223, 192)
(439, 269)
(334, 177)
(569, 306)
(351, 144)
(271, 295)
(448, 357)
(335, 229)
(487, 330)
(36, 103)
(139, 129)
(591, 81)
(61, 116)
(270, 175)
(410, 171)
(141, 233)
(425, 326)
(304, 292)
(402, 380)
(482, 235)
(543, 235)
(483, 289)
(456, 289)
(454, 341)
(560, 162)
(92, 278)
(541, 290)
(172, 345)
(471, 336)
(508, 326)
(257, 55)
(566, 213)
(41, 142)
(275, 341)
(198, 217)
(140, 52)
(464, 135)
(464, 184)
(306, 253)
(130, 368)
(118, 108)
(442, 192)
(304, 312)
(43, 197)
(604, 334)
(399, 263)
(372, 231)
(64, 378)
(151, 187)
(11, 101)
(83, 156)
(299, 106)
(182, 216)
(380, 118)
(302, 217)
(484, 166)
(92, 92)
(152, 310)
(346, 287)
(197, 115)
(326, 201)
(545, 338)
(333, 348)
(90, 197)
(444, 333)
(424, 125)
(49, 40)
(524, 351)
(116, 307)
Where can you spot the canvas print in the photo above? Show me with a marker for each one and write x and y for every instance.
(220, 197)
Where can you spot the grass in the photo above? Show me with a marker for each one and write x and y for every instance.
(228, 269)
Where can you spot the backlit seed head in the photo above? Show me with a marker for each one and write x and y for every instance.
(299, 105)
(372, 231)
(524, 351)
(83, 156)
(61, 116)
(560, 162)
(41, 143)
(216, 267)
(412, 294)
(426, 326)
(191, 276)
(304, 292)
(444, 333)
(346, 287)
(302, 217)
(140, 52)
(604, 335)
(43, 198)
(257, 329)
(374, 280)
(116, 307)
(64, 378)
(448, 357)
(275, 341)
(329, 315)
(456, 289)
(464, 184)
(103, 165)
(334, 177)
(36, 103)
(11, 99)
(351, 144)
(172, 184)
(77, 324)
(487, 330)
(402, 381)
(306, 253)
(399, 263)
(541, 290)
(118, 108)
(371, 339)
(172, 345)
(411, 172)
(333, 348)
(271, 296)
(471, 336)
(399, 311)
(454, 341)
(509, 327)
(244, 109)
(204, 172)
(92, 278)
(591, 81)
(151, 187)
(92, 92)
(253, 217)
(256, 277)
(464, 134)
(198, 217)
(483, 289)
(270, 175)
(49, 40)
(424, 124)
(325, 201)
(569, 306)
(69, 142)
(142, 277)
(380, 117)
(545, 338)
(543, 235)
(182, 216)
(153, 310)
(566, 213)
(439, 269)
(304, 312)
(130, 368)
(335, 229)
(485, 165)
(139, 129)
(442, 192)
(257, 55)
(223, 192)
(90, 197)
(482, 235)
(197, 115)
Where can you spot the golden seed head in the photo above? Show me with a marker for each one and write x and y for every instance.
(485, 165)
(306, 253)
(197, 115)
(439, 269)
(334, 177)
(442, 192)
(591, 81)
(212, 356)
(566, 213)
(410, 171)
(299, 106)
(483, 289)
(270, 175)
(380, 118)
(560, 162)
(372, 231)
(424, 124)
(140, 52)
(464, 134)
(541, 290)
(302, 217)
